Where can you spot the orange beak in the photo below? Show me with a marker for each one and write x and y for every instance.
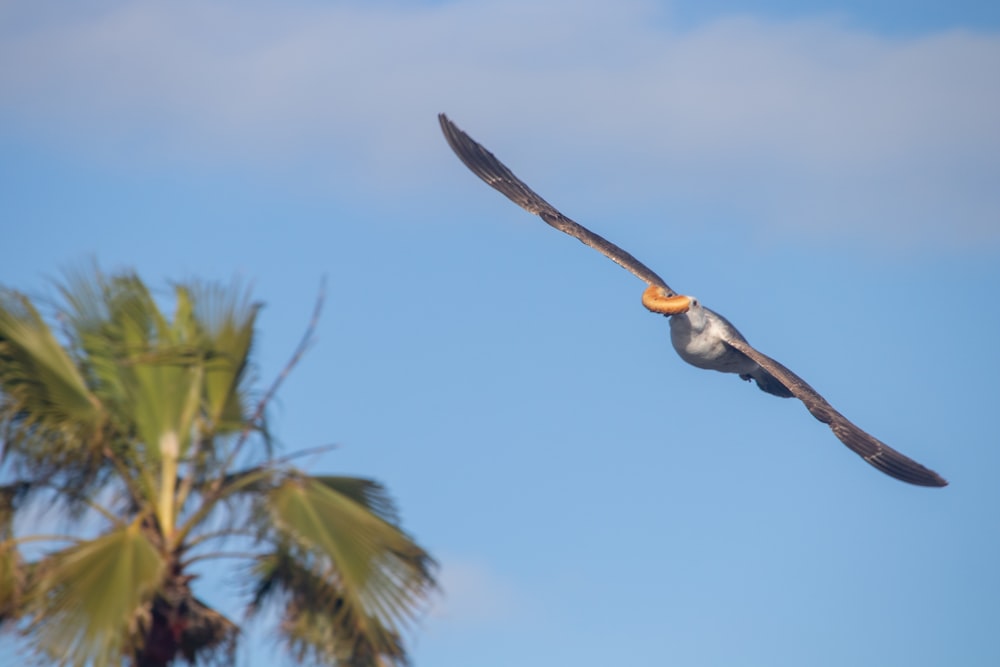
(656, 299)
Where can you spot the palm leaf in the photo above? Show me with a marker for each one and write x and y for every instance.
(314, 623)
(366, 492)
(380, 574)
(95, 594)
(40, 381)
(226, 318)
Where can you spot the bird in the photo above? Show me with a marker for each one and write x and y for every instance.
(701, 337)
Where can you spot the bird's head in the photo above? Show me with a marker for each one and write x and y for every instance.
(695, 316)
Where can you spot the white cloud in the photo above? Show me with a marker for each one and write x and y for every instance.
(472, 593)
(810, 121)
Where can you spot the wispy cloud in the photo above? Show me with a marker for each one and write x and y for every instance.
(810, 121)
(473, 593)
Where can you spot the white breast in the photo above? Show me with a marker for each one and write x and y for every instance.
(697, 335)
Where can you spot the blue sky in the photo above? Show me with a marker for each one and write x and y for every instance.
(824, 174)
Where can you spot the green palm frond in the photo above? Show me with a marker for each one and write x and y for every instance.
(226, 317)
(43, 390)
(366, 492)
(316, 625)
(95, 594)
(161, 379)
(379, 575)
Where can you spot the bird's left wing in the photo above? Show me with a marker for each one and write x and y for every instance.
(868, 447)
(486, 166)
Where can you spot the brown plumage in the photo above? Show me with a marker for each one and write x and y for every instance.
(701, 337)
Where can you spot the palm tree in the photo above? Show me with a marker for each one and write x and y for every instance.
(141, 434)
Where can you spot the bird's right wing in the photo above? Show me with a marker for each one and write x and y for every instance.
(868, 447)
(486, 166)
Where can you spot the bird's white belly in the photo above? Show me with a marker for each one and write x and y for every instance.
(705, 348)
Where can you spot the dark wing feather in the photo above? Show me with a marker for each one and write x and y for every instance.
(871, 449)
(487, 167)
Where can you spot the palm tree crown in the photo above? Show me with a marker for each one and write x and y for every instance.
(142, 431)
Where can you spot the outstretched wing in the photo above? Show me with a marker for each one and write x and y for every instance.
(487, 167)
(871, 449)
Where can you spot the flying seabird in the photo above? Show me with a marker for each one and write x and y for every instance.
(702, 337)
